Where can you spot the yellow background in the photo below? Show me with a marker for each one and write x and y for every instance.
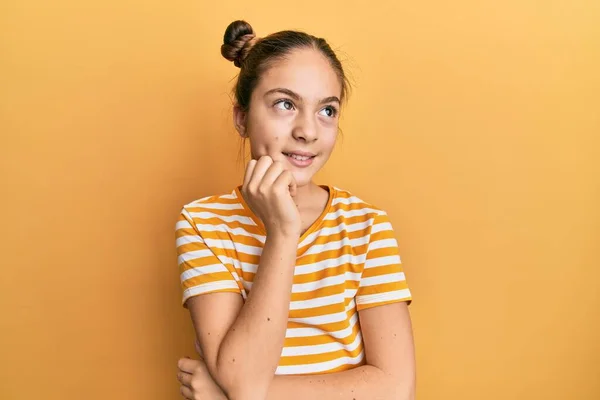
(474, 124)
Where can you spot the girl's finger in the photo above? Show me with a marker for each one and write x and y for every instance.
(186, 392)
(249, 171)
(287, 178)
(184, 378)
(272, 173)
(188, 365)
(262, 165)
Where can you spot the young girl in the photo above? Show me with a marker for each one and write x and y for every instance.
(295, 289)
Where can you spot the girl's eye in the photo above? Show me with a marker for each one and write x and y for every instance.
(284, 105)
(329, 111)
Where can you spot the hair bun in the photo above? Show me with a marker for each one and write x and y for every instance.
(238, 40)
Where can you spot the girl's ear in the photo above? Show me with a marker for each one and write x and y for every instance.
(239, 120)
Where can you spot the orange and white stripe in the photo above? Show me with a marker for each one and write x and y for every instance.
(347, 261)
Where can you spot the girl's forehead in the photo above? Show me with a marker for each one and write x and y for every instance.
(306, 72)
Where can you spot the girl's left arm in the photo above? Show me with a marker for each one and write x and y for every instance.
(389, 372)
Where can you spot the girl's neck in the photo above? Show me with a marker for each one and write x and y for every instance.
(307, 194)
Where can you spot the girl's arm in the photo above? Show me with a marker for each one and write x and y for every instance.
(390, 369)
(388, 374)
(241, 343)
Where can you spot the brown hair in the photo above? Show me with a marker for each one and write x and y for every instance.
(254, 56)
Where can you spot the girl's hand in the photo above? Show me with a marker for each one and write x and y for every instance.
(196, 381)
(269, 190)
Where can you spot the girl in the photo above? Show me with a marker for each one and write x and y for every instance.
(286, 279)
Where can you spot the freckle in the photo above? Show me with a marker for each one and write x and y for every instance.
(234, 360)
(208, 333)
(268, 319)
(394, 334)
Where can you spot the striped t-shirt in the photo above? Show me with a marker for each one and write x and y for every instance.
(347, 261)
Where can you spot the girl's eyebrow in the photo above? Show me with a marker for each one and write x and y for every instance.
(285, 91)
(330, 99)
(298, 98)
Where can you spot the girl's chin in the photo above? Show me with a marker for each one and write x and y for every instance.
(302, 178)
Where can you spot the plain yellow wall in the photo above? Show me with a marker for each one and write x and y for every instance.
(474, 124)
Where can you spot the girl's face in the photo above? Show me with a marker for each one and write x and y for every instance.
(294, 113)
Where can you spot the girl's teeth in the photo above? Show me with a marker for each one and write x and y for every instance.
(301, 158)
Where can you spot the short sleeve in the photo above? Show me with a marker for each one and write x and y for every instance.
(382, 281)
(200, 269)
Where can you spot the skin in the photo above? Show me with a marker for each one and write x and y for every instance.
(293, 108)
(292, 111)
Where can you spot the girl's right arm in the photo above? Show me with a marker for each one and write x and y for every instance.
(242, 342)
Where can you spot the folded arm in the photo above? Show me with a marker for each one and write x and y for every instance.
(389, 372)
(241, 342)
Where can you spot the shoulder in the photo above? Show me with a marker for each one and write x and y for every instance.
(218, 201)
(220, 206)
(347, 204)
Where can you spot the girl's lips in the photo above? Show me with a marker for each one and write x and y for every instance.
(299, 153)
(299, 161)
